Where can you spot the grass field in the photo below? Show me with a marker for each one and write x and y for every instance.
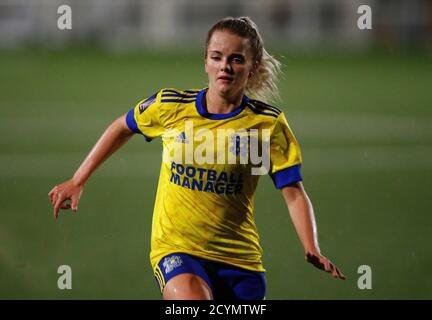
(364, 124)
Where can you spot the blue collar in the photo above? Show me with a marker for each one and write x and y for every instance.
(217, 116)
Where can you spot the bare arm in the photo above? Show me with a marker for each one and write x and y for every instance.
(303, 218)
(116, 135)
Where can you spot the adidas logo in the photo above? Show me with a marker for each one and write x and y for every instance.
(181, 138)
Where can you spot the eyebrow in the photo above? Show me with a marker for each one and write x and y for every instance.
(234, 54)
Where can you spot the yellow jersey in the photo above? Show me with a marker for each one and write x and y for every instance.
(205, 197)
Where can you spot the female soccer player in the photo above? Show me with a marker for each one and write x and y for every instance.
(204, 242)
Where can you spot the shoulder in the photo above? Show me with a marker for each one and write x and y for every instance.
(173, 95)
(173, 104)
(167, 98)
(263, 109)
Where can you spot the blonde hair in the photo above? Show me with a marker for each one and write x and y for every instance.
(263, 84)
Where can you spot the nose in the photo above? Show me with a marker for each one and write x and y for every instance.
(226, 66)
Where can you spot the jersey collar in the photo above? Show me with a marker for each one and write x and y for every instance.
(217, 116)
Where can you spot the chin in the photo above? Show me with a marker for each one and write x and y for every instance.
(226, 88)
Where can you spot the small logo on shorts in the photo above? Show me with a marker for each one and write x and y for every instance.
(172, 262)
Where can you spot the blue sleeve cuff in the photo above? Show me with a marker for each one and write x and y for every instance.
(287, 176)
(131, 123)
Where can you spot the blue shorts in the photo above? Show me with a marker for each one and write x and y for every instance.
(224, 280)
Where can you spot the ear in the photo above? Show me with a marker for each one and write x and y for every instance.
(254, 70)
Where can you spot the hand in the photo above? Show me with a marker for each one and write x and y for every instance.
(68, 190)
(325, 264)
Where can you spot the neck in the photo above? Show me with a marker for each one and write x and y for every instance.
(217, 103)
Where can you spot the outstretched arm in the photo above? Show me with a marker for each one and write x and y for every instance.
(116, 135)
(303, 218)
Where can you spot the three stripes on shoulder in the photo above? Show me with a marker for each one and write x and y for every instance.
(170, 95)
(187, 96)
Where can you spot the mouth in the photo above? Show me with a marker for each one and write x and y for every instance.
(225, 78)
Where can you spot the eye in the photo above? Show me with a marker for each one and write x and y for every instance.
(238, 60)
(215, 58)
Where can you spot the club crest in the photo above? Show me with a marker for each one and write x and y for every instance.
(172, 262)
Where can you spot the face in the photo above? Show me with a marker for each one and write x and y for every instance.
(228, 63)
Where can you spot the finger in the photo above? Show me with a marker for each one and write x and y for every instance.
(327, 266)
(57, 206)
(51, 194)
(54, 197)
(75, 204)
(336, 271)
(51, 191)
(335, 274)
(340, 274)
(65, 206)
